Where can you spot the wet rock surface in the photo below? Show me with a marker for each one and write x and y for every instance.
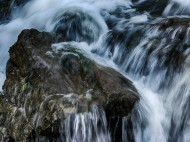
(76, 25)
(45, 83)
(6, 6)
(155, 8)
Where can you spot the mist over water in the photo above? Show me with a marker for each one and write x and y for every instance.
(154, 55)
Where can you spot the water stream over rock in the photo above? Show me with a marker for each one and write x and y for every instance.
(146, 41)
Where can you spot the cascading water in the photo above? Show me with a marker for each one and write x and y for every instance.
(83, 127)
(153, 51)
(90, 127)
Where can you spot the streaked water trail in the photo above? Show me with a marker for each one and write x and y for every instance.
(152, 51)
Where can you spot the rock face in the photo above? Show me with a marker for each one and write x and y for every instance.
(46, 82)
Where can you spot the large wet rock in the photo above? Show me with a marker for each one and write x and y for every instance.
(45, 83)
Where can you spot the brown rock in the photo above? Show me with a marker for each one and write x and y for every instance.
(47, 84)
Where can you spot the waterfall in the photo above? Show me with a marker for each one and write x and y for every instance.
(90, 127)
(150, 50)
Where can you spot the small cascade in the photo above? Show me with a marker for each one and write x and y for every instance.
(86, 127)
(82, 127)
(149, 46)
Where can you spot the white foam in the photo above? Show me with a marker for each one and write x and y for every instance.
(2, 79)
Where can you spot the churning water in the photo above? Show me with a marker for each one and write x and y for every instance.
(147, 48)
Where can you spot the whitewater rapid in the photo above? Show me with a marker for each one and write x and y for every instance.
(163, 113)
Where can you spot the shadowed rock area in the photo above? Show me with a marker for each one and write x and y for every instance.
(6, 6)
(155, 8)
(45, 83)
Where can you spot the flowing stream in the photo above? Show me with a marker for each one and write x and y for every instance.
(119, 34)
